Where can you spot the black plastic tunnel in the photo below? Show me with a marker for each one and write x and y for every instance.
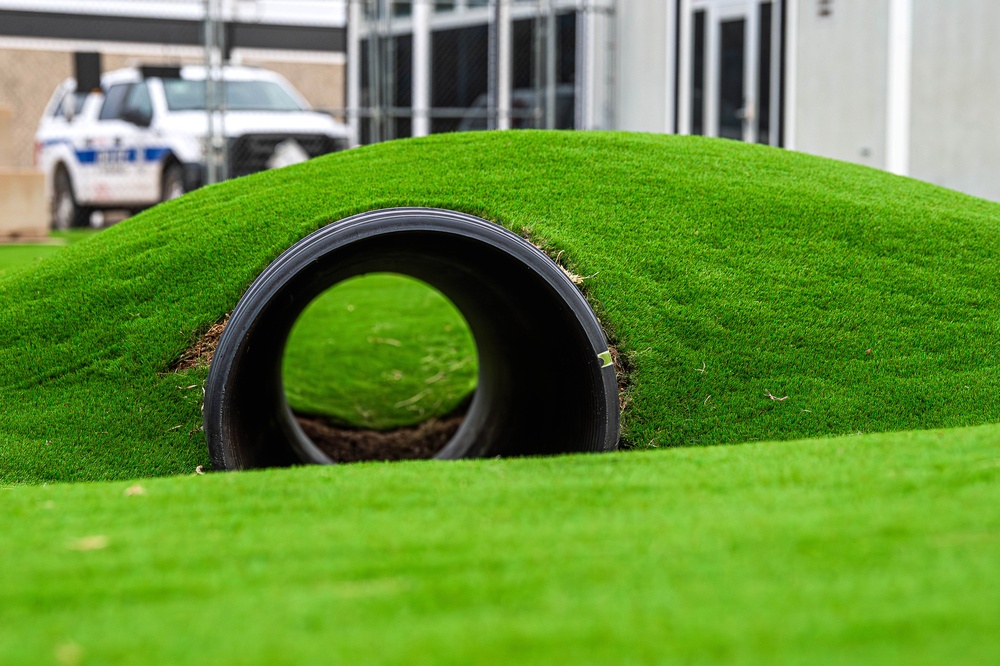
(546, 381)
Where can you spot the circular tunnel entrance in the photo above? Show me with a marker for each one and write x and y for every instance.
(546, 383)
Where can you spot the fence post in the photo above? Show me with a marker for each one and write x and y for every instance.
(421, 90)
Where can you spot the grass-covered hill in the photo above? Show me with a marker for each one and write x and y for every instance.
(757, 293)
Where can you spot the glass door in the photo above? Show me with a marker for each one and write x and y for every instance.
(733, 105)
(732, 70)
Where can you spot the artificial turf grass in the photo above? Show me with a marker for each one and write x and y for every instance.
(379, 351)
(728, 274)
(872, 549)
(17, 254)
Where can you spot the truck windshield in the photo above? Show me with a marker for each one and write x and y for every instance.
(185, 95)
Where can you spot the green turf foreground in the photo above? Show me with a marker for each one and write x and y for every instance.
(880, 549)
(759, 294)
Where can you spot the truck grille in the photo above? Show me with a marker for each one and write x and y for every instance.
(250, 153)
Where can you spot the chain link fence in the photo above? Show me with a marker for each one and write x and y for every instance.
(430, 66)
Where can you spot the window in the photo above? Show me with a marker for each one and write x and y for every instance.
(138, 100)
(69, 101)
(764, 75)
(114, 100)
(185, 95)
(698, 75)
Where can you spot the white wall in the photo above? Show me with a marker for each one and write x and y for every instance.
(839, 95)
(840, 86)
(955, 113)
(954, 89)
(643, 78)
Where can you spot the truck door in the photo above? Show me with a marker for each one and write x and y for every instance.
(121, 175)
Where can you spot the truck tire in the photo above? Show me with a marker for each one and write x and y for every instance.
(172, 185)
(66, 212)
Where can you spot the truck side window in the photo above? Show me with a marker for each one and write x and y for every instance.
(138, 100)
(69, 106)
(114, 101)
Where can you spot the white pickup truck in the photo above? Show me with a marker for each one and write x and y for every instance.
(142, 138)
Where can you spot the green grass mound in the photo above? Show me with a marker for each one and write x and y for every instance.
(757, 293)
(880, 549)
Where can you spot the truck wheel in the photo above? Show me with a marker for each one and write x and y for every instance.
(173, 182)
(66, 213)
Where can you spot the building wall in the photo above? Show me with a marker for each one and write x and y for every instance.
(840, 88)
(27, 79)
(642, 43)
(955, 131)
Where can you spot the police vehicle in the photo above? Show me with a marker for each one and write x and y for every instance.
(141, 136)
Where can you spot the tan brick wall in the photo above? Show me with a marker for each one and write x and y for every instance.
(6, 148)
(27, 79)
(23, 214)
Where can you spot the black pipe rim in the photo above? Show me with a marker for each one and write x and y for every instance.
(517, 301)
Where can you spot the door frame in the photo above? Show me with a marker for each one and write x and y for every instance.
(717, 11)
